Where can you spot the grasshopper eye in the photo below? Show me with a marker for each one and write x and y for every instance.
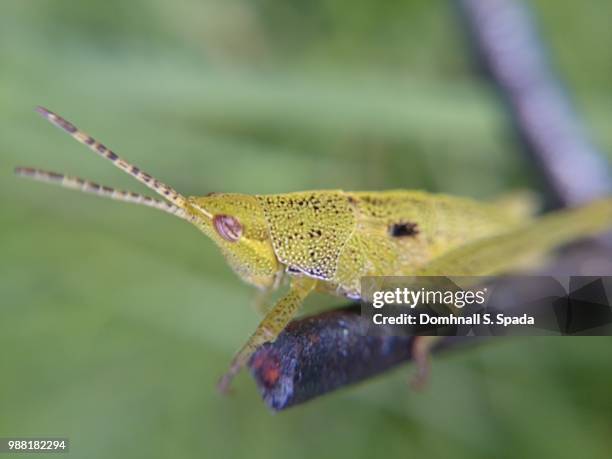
(229, 228)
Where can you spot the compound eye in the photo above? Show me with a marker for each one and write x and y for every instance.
(229, 228)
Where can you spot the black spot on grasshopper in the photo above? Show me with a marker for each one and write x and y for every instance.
(403, 229)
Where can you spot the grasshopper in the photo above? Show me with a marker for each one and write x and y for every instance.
(326, 240)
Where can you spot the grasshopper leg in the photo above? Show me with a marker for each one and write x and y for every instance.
(270, 327)
(421, 351)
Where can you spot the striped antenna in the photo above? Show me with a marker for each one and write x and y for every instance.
(161, 188)
(87, 186)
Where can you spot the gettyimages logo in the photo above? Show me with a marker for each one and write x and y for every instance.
(517, 305)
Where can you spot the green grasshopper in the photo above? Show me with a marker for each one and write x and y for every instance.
(326, 240)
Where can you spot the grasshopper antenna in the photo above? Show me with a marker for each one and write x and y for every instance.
(87, 186)
(166, 191)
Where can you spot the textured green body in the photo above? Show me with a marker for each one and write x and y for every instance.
(329, 240)
(338, 237)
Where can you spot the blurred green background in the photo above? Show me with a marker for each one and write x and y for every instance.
(116, 321)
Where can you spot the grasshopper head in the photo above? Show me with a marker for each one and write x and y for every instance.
(236, 223)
